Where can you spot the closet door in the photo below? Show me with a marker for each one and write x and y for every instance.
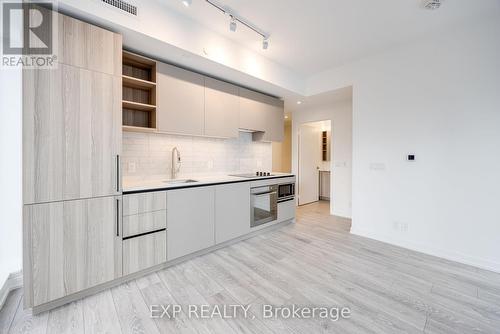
(71, 134)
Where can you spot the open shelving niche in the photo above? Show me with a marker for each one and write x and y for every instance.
(139, 93)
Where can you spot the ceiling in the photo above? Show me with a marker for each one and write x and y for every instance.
(312, 36)
(318, 100)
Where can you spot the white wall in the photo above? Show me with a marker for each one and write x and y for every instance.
(340, 113)
(438, 98)
(10, 173)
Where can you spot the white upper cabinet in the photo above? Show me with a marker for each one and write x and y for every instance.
(252, 110)
(180, 100)
(263, 113)
(221, 108)
(192, 104)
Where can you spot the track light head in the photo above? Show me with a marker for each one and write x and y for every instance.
(265, 43)
(232, 24)
(187, 3)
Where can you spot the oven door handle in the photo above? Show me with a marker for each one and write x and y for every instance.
(265, 193)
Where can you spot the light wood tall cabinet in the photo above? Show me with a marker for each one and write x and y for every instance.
(75, 245)
(72, 122)
(180, 100)
(71, 134)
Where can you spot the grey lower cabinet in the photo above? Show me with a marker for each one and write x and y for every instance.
(70, 246)
(232, 211)
(190, 220)
(286, 210)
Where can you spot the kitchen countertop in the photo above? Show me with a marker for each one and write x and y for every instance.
(139, 185)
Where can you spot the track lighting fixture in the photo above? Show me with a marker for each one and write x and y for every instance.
(232, 24)
(265, 43)
(236, 19)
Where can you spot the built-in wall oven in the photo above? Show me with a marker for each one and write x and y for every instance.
(264, 205)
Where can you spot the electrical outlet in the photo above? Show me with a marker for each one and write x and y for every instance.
(210, 164)
(131, 167)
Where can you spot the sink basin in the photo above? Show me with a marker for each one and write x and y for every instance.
(179, 181)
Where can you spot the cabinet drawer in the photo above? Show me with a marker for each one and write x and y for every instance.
(144, 222)
(144, 252)
(145, 202)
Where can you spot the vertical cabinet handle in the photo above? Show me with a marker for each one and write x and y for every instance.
(117, 173)
(117, 217)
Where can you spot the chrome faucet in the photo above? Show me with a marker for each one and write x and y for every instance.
(176, 162)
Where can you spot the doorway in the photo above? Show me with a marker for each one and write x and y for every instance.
(314, 152)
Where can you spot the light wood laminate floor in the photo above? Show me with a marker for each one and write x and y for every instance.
(313, 262)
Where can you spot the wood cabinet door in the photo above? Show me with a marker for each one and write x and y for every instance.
(87, 46)
(232, 211)
(180, 100)
(221, 108)
(71, 134)
(144, 252)
(190, 220)
(74, 245)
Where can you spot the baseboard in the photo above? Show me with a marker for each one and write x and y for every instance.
(431, 250)
(14, 281)
(339, 214)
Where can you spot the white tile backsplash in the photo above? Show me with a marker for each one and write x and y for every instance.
(148, 155)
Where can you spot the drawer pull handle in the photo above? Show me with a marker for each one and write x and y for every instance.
(145, 233)
(117, 217)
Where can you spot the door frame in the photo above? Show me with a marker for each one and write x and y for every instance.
(299, 157)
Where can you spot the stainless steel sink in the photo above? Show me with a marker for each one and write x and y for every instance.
(179, 181)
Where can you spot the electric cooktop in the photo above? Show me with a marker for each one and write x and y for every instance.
(252, 175)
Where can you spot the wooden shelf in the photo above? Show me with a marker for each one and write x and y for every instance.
(137, 83)
(138, 106)
(137, 128)
(138, 93)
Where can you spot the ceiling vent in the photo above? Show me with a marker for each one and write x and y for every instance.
(122, 5)
(432, 4)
